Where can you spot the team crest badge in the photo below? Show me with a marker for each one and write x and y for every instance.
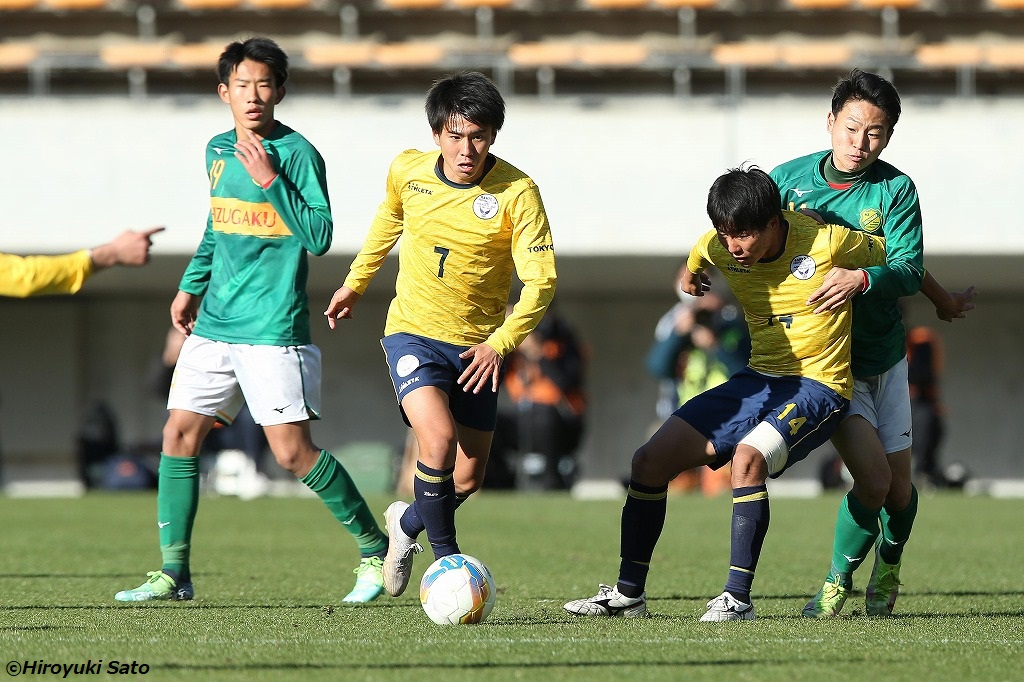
(485, 206)
(870, 220)
(802, 267)
(406, 364)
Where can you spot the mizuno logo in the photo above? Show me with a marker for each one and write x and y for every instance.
(801, 192)
(280, 410)
(894, 543)
(161, 524)
(221, 151)
(349, 522)
(906, 434)
(852, 559)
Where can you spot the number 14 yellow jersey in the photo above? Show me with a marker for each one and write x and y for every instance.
(787, 338)
(460, 246)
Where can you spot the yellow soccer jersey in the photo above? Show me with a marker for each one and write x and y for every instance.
(786, 337)
(23, 276)
(460, 245)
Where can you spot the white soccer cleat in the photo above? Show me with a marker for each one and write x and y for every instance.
(725, 607)
(609, 603)
(401, 550)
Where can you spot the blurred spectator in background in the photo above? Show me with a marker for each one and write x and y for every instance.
(698, 344)
(924, 369)
(544, 381)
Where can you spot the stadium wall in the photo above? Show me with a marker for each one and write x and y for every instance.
(625, 184)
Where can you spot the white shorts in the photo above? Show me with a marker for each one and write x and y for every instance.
(884, 400)
(281, 384)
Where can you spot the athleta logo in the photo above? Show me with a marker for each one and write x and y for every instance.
(407, 384)
(802, 267)
(416, 188)
(738, 269)
(485, 206)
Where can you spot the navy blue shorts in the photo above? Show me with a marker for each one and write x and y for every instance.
(805, 412)
(417, 361)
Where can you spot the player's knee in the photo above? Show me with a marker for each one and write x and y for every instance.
(872, 489)
(179, 442)
(297, 460)
(748, 467)
(649, 467)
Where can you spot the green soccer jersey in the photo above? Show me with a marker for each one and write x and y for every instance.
(251, 266)
(882, 202)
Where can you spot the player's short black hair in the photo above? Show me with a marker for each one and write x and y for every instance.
(258, 49)
(743, 200)
(869, 87)
(470, 95)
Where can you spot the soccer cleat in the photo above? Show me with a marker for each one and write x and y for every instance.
(883, 587)
(726, 607)
(158, 586)
(609, 603)
(828, 602)
(369, 581)
(401, 549)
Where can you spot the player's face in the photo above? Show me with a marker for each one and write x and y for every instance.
(464, 147)
(252, 95)
(860, 131)
(748, 248)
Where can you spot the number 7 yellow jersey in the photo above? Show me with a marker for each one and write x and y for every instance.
(460, 245)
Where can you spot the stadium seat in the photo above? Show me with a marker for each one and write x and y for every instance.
(894, 4)
(618, 54)
(17, 5)
(200, 5)
(75, 5)
(280, 4)
(816, 55)
(17, 56)
(199, 56)
(760, 54)
(340, 53)
(1008, 56)
(473, 4)
(961, 57)
(411, 4)
(948, 55)
(819, 4)
(547, 53)
(686, 4)
(412, 54)
(614, 4)
(135, 54)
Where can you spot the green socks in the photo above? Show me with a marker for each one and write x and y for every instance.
(856, 531)
(177, 499)
(896, 528)
(331, 482)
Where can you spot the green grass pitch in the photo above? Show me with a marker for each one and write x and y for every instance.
(270, 573)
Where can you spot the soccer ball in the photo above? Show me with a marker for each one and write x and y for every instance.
(457, 589)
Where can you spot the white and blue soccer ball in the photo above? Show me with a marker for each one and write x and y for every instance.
(457, 590)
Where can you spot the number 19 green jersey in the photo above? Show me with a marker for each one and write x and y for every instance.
(251, 266)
